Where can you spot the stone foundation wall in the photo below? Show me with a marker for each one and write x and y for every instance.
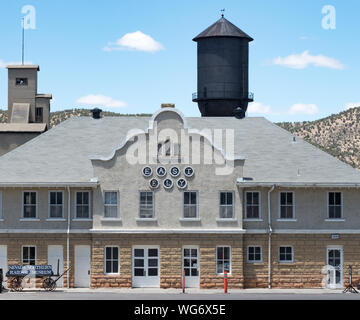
(309, 260)
(304, 272)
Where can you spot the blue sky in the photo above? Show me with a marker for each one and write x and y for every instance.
(298, 70)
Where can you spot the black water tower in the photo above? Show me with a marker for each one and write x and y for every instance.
(223, 70)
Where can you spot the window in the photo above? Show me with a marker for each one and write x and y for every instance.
(111, 260)
(146, 204)
(83, 205)
(29, 204)
(39, 115)
(110, 204)
(252, 205)
(226, 205)
(29, 255)
(190, 204)
(335, 205)
(286, 205)
(254, 254)
(222, 259)
(21, 81)
(56, 204)
(286, 254)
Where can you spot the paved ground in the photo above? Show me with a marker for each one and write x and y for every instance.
(171, 294)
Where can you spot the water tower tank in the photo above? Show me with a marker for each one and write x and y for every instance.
(222, 70)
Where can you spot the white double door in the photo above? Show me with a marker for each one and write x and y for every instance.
(191, 266)
(335, 271)
(146, 266)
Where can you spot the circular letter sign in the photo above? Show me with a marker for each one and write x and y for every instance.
(161, 171)
(154, 183)
(168, 183)
(189, 172)
(174, 171)
(181, 183)
(147, 172)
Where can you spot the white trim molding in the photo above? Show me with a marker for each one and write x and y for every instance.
(304, 231)
(243, 183)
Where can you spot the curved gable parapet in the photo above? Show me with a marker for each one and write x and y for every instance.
(160, 115)
(169, 116)
(225, 154)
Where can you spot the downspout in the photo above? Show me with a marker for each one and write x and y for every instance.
(269, 237)
(68, 240)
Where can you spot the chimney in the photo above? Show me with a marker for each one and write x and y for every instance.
(96, 113)
(167, 105)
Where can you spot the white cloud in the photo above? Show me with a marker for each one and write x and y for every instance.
(135, 41)
(301, 108)
(100, 100)
(352, 105)
(303, 60)
(298, 108)
(258, 108)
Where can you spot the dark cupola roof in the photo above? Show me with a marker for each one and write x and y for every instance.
(223, 28)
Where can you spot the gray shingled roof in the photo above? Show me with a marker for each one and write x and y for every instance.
(223, 28)
(61, 155)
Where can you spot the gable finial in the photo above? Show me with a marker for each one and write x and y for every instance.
(222, 12)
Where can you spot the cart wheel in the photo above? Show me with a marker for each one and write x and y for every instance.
(13, 284)
(16, 284)
(49, 284)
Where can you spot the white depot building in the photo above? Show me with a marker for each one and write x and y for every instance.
(274, 211)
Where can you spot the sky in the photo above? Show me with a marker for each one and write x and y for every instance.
(131, 56)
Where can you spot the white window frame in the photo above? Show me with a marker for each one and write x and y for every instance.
(111, 205)
(22, 252)
(153, 206)
(293, 206)
(246, 215)
(197, 206)
(118, 271)
(328, 205)
(292, 254)
(225, 205)
(75, 206)
(261, 254)
(216, 257)
(49, 205)
(23, 204)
